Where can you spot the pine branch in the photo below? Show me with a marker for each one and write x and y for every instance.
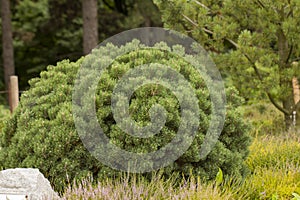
(296, 59)
(289, 55)
(249, 59)
(209, 31)
(261, 4)
(190, 20)
(108, 5)
(202, 5)
(280, 108)
(290, 14)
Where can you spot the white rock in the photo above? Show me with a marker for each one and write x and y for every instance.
(28, 182)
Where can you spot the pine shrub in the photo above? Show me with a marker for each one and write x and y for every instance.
(4, 115)
(42, 133)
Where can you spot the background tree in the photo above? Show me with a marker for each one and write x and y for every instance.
(254, 41)
(7, 42)
(90, 25)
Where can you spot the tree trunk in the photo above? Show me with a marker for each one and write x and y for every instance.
(288, 104)
(7, 42)
(146, 33)
(285, 82)
(90, 25)
(298, 120)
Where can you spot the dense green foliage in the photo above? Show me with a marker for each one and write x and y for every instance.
(42, 133)
(253, 42)
(4, 115)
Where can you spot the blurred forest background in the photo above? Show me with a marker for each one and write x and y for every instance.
(47, 31)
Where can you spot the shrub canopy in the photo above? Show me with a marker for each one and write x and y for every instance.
(42, 133)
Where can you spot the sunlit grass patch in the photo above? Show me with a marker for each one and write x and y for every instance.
(274, 151)
(272, 182)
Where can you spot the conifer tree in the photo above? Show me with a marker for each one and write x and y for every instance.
(255, 41)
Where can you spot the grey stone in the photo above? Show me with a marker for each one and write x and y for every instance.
(26, 181)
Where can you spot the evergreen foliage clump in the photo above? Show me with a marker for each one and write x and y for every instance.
(42, 133)
(4, 114)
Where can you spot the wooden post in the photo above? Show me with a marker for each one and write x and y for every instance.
(13, 93)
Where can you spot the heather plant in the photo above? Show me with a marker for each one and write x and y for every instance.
(139, 188)
(42, 133)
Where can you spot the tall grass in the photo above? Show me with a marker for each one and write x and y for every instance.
(275, 174)
(274, 151)
(274, 162)
(139, 188)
